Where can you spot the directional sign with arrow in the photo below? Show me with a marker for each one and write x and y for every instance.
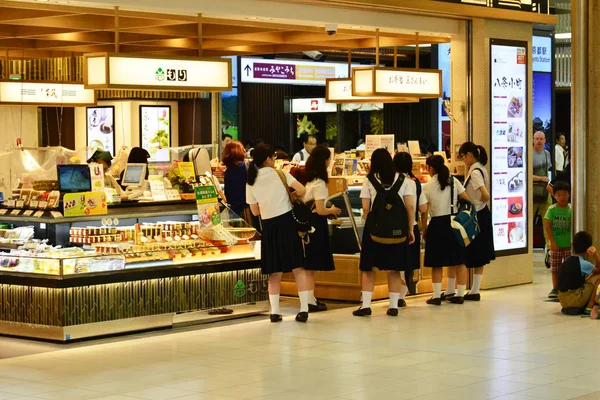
(247, 69)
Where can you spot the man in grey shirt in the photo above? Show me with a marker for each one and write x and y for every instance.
(542, 164)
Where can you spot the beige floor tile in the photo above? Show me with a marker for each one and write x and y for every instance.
(71, 394)
(554, 393)
(246, 391)
(159, 393)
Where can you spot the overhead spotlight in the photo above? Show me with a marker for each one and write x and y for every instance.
(315, 55)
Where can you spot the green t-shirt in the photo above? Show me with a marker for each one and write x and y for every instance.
(561, 225)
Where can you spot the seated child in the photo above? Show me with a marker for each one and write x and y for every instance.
(578, 278)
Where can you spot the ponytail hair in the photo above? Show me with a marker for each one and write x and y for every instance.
(259, 156)
(478, 152)
(437, 163)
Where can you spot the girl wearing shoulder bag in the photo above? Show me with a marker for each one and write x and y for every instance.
(318, 250)
(441, 246)
(281, 247)
(481, 250)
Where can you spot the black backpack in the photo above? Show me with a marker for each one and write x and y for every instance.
(389, 214)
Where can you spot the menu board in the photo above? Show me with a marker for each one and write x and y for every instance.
(101, 129)
(155, 127)
(509, 138)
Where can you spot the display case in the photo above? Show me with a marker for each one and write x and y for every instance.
(156, 268)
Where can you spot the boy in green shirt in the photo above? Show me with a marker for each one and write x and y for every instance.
(557, 224)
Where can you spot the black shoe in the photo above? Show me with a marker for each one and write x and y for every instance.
(320, 306)
(571, 311)
(401, 303)
(362, 312)
(473, 297)
(276, 318)
(302, 316)
(434, 302)
(392, 312)
(445, 296)
(456, 300)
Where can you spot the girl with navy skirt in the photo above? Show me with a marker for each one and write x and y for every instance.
(403, 164)
(441, 246)
(281, 246)
(481, 250)
(318, 251)
(392, 258)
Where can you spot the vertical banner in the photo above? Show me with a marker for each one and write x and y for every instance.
(509, 140)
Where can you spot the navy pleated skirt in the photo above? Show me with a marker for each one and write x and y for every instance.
(385, 257)
(481, 250)
(281, 247)
(318, 251)
(441, 246)
(414, 252)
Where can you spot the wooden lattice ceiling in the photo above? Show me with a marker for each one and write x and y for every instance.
(35, 30)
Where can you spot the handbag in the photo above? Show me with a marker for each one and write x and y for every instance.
(300, 211)
(464, 222)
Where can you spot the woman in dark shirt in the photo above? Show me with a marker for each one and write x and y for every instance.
(233, 157)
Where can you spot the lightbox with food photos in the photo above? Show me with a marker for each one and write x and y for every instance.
(509, 126)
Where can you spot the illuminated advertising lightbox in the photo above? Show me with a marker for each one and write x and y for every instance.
(509, 139)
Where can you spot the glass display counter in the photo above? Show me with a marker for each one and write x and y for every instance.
(156, 269)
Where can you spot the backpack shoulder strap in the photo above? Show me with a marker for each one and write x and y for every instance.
(469, 180)
(398, 184)
(378, 186)
(301, 155)
(452, 203)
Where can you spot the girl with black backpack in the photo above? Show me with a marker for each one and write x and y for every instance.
(403, 164)
(318, 250)
(481, 250)
(388, 202)
(281, 246)
(441, 246)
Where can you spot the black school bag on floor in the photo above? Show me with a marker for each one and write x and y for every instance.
(389, 214)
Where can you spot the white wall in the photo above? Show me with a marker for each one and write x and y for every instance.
(127, 122)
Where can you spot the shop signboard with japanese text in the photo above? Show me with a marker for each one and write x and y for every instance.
(509, 139)
(290, 72)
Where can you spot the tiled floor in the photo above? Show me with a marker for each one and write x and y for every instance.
(511, 346)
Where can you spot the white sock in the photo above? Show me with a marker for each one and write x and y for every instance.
(403, 291)
(303, 301)
(461, 291)
(437, 290)
(366, 299)
(311, 298)
(476, 283)
(450, 287)
(394, 297)
(274, 300)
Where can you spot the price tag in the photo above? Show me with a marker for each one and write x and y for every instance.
(15, 212)
(38, 214)
(43, 204)
(28, 213)
(56, 214)
(20, 204)
(34, 204)
(173, 194)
